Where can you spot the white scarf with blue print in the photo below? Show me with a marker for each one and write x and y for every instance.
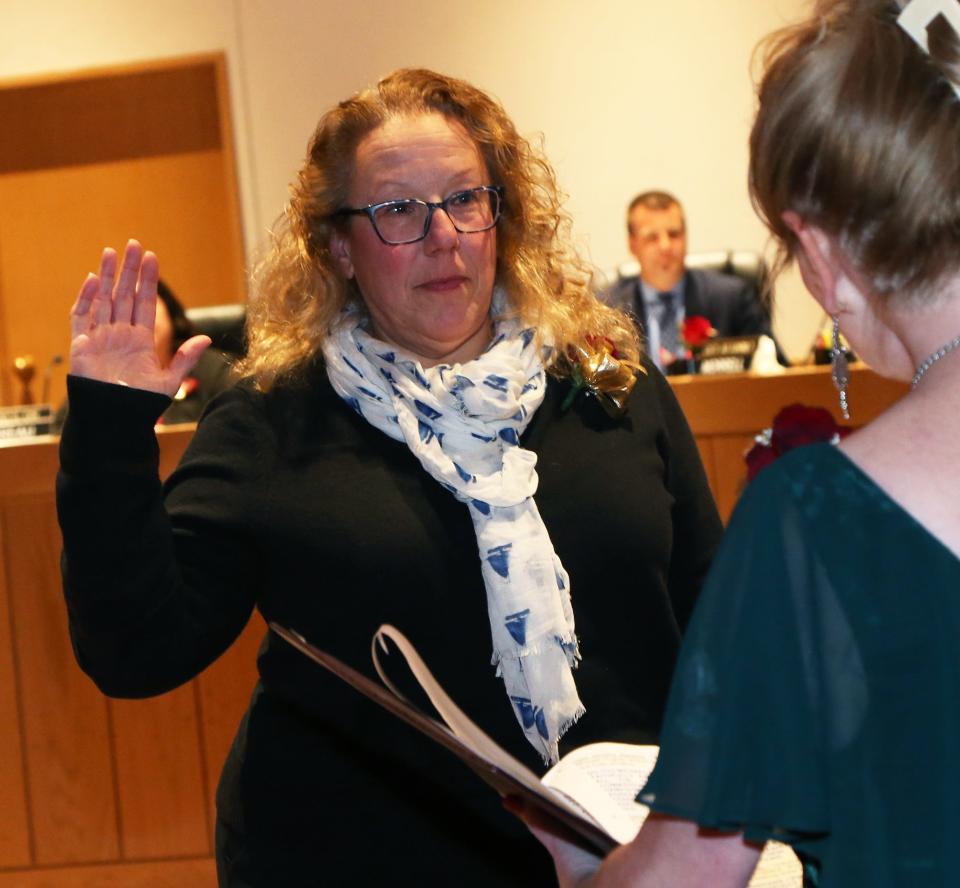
(464, 422)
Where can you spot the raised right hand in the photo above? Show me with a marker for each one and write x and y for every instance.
(111, 327)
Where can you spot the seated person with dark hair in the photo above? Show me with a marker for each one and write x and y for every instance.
(666, 291)
(209, 377)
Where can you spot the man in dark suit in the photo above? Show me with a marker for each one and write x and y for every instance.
(666, 291)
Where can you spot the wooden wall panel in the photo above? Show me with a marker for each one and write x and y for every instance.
(155, 874)
(176, 205)
(731, 475)
(169, 109)
(173, 442)
(705, 448)
(14, 831)
(165, 175)
(28, 468)
(160, 777)
(70, 773)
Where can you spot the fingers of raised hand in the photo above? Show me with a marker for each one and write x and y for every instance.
(125, 291)
(187, 356)
(86, 308)
(80, 313)
(131, 298)
(102, 306)
(145, 300)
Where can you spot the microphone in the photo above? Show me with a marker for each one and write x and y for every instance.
(47, 373)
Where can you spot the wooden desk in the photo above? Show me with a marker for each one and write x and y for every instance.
(727, 412)
(99, 792)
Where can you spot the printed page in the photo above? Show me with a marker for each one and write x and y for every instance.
(605, 778)
(778, 868)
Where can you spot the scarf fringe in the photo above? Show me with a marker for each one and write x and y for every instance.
(550, 760)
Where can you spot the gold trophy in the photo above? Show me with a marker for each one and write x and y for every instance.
(25, 370)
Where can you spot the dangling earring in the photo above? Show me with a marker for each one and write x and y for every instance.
(841, 370)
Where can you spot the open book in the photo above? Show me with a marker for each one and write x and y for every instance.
(591, 790)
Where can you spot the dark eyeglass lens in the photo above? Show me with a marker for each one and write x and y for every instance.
(401, 221)
(472, 210)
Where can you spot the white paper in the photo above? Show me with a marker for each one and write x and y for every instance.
(605, 778)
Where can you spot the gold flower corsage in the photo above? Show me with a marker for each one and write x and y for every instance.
(603, 372)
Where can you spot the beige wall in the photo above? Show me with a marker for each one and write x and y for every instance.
(628, 95)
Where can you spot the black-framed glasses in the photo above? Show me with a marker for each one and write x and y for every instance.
(408, 221)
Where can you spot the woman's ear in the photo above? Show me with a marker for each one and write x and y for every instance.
(340, 251)
(816, 260)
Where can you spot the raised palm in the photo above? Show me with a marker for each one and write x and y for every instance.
(111, 327)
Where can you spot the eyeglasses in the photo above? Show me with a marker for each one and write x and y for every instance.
(408, 221)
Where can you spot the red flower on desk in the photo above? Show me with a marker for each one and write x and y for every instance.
(793, 426)
(695, 331)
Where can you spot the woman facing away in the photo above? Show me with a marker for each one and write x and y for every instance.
(816, 696)
(408, 448)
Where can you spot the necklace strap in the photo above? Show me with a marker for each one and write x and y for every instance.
(930, 361)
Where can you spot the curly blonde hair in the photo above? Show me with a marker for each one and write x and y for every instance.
(300, 293)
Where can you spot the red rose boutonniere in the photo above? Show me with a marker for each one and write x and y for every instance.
(695, 331)
(793, 426)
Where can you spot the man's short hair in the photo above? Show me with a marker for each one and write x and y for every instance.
(653, 200)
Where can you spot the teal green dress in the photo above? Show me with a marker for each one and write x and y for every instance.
(817, 696)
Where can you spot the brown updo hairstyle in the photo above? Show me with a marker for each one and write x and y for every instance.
(299, 292)
(858, 131)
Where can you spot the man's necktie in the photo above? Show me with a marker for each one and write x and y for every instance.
(669, 322)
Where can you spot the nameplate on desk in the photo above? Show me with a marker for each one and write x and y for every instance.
(27, 421)
(726, 354)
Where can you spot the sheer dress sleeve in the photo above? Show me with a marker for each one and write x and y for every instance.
(743, 745)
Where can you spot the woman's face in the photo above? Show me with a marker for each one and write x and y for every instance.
(431, 298)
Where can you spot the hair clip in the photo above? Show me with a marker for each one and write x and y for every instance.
(915, 17)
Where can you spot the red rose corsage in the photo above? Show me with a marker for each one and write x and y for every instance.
(792, 427)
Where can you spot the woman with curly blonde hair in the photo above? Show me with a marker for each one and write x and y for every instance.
(301, 293)
(440, 428)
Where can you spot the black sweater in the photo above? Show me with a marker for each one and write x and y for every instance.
(291, 503)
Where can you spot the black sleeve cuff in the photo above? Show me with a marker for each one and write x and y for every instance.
(109, 427)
